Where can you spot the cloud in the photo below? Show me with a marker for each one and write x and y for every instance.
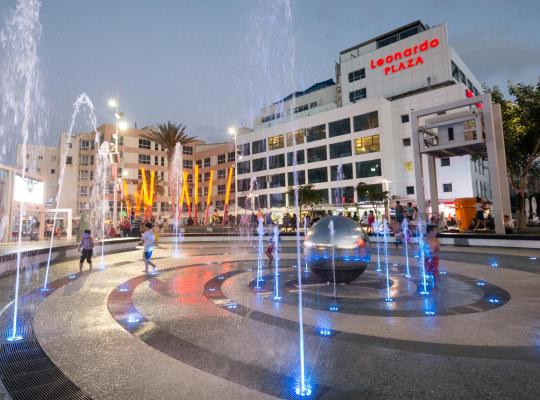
(496, 58)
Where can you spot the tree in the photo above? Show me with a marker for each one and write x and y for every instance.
(168, 135)
(372, 193)
(521, 125)
(307, 197)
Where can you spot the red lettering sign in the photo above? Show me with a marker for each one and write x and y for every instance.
(408, 57)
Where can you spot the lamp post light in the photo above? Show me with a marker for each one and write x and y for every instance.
(232, 131)
(119, 125)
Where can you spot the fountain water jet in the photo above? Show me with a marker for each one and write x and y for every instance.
(386, 234)
(420, 235)
(20, 106)
(82, 100)
(260, 252)
(177, 178)
(275, 239)
(406, 237)
(331, 231)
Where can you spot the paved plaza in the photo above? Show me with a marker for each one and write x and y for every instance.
(203, 328)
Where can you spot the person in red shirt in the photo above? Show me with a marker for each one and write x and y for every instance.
(432, 254)
(371, 220)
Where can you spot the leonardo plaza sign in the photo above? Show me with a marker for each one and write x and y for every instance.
(407, 58)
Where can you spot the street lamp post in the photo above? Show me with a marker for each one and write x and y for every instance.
(119, 125)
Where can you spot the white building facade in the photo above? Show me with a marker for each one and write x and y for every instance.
(357, 129)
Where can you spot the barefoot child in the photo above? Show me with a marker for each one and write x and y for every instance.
(432, 253)
(86, 247)
(149, 241)
(270, 252)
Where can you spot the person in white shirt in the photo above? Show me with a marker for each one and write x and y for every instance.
(149, 242)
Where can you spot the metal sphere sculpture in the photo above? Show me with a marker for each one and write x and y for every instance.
(350, 249)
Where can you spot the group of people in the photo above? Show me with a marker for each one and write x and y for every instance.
(149, 240)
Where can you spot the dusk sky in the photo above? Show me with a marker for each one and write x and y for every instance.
(211, 64)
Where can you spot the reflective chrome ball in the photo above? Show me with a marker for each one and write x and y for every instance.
(351, 249)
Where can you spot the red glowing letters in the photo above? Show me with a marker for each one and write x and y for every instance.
(407, 58)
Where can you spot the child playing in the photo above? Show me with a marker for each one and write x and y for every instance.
(149, 242)
(86, 247)
(270, 252)
(432, 253)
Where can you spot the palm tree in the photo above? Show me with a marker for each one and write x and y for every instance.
(168, 135)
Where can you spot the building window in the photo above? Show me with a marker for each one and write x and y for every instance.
(341, 149)
(221, 159)
(69, 160)
(187, 150)
(83, 191)
(187, 164)
(243, 184)
(85, 159)
(318, 175)
(298, 137)
(221, 173)
(243, 167)
(277, 161)
(221, 189)
(276, 142)
(198, 163)
(230, 156)
(316, 133)
(83, 175)
(357, 95)
(301, 178)
(190, 178)
(261, 182)
(366, 121)
(243, 149)
(345, 173)
(52, 171)
(298, 109)
(445, 162)
(300, 158)
(450, 134)
(338, 128)
(156, 160)
(447, 187)
(258, 146)
(268, 118)
(84, 145)
(277, 200)
(407, 142)
(277, 181)
(368, 144)
(408, 166)
(410, 190)
(262, 201)
(404, 118)
(144, 144)
(343, 195)
(357, 75)
(144, 159)
(316, 154)
(206, 176)
(207, 162)
(313, 104)
(367, 169)
(259, 164)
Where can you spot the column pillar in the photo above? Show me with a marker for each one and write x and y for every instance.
(493, 163)
(433, 185)
(417, 165)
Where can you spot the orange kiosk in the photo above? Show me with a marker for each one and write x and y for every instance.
(465, 211)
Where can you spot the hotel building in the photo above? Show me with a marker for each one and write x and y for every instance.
(136, 152)
(356, 128)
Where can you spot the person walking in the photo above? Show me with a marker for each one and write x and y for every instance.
(149, 242)
(86, 247)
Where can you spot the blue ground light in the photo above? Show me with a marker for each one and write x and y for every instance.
(493, 300)
(324, 332)
(303, 392)
(334, 308)
(133, 318)
(481, 283)
(532, 258)
(232, 306)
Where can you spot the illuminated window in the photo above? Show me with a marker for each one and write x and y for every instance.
(300, 136)
(408, 166)
(276, 142)
(368, 144)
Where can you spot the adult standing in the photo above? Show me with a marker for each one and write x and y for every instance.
(399, 212)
